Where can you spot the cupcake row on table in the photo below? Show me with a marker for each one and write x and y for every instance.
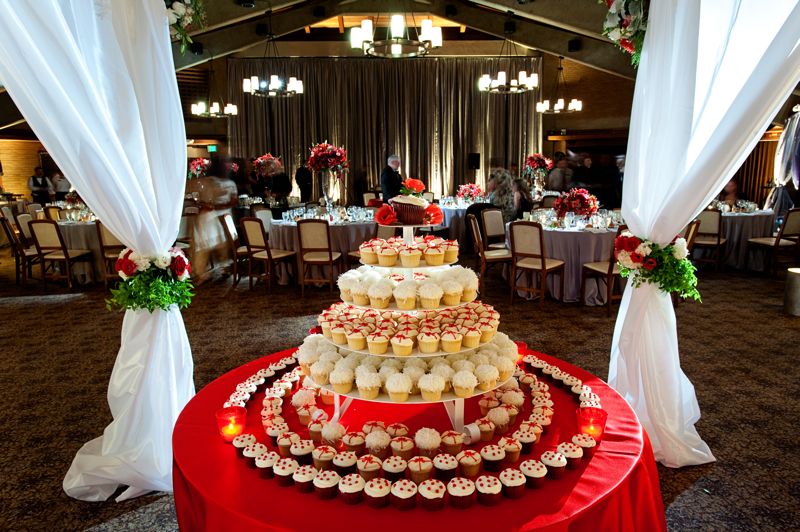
(402, 378)
(448, 331)
(423, 251)
(376, 288)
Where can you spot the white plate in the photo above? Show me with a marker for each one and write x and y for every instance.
(412, 399)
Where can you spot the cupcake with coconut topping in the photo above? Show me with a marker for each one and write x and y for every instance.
(430, 294)
(431, 387)
(380, 294)
(427, 441)
(399, 385)
(487, 376)
(369, 385)
(378, 443)
(464, 383)
(452, 292)
(405, 295)
(342, 379)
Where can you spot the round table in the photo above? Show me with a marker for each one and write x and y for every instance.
(455, 220)
(83, 235)
(345, 238)
(738, 228)
(215, 489)
(575, 247)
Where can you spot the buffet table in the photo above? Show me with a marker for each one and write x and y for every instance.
(83, 235)
(216, 489)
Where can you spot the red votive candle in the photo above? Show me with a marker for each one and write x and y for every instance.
(231, 421)
(522, 347)
(592, 421)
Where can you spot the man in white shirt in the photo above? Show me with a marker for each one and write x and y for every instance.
(62, 186)
(560, 177)
(41, 187)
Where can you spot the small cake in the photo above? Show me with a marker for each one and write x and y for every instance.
(512, 448)
(452, 291)
(472, 337)
(431, 494)
(427, 441)
(403, 494)
(461, 491)
(322, 457)
(397, 429)
(321, 369)
(486, 428)
(405, 295)
(430, 295)
(341, 378)
(487, 403)
(326, 484)
(303, 478)
(410, 256)
(451, 341)
(572, 452)
(434, 256)
(315, 430)
(377, 343)
(344, 462)
(283, 470)
(367, 252)
(354, 442)
(275, 430)
(513, 483)
(534, 472)
(402, 446)
(431, 387)
(394, 468)
(387, 256)
(399, 387)
(555, 462)
(380, 294)
(376, 492)
(243, 440)
(492, 456)
(489, 490)
(332, 433)
(356, 339)
(585, 442)
(301, 451)
(487, 376)
(369, 385)
(526, 439)
(402, 345)
(378, 442)
(469, 462)
(464, 383)
(446, 372)
(351, 488)
(499, 416)
(428, 342)
(450, 251)
(368, 466)
(452, 442)
(264, 463)
(445, 466)
(359, 293)
(285, 442)
(420, 468)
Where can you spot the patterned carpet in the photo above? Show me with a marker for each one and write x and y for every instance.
(738, 349)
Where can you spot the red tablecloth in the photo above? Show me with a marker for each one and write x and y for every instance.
(216, 490)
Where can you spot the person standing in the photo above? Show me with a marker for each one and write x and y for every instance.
(391, 182)
(62, 186)
(41, 187)
(305, 181)
(560, 177)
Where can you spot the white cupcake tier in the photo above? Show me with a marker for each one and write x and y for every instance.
(414, 352)
(393, 307)
(399, 268)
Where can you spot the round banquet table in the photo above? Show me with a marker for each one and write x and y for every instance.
(576, 248)
(215, 489)
(738, 228)
(344, 239)
(83, 235)
(455, 221)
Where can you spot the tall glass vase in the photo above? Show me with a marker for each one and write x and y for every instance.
(331, 180)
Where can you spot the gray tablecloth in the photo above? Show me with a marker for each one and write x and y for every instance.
(575, 248)
(738, 228)
(344, 238)
(455, 221)
(83, 235)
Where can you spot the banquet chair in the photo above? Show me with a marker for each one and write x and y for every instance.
(239, 253)
(258, 250)
(548, 202)
(367, 196)
(33, 208)
(315, 250)
(186, 233)
(52, 213)
(52, 249)
(428, 196)
(381, 231)
(24, 257)
(709, 236)
(23, 221)
(486, 258)
(9, 215)
(786, 243)
(690, 234)
(607, 271)
(494, 229)
(265, 215)
(110, 248)
(255, 208)
(529, 257)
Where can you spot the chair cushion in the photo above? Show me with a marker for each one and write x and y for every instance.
(769, 241)
(536, 264)
(497, 245)
(182, 245)
(708, 241)
(31, 252)
(321, 256)
(73, 254)
(277, 254)
(497, 254)
(111, 255)
(601, 267)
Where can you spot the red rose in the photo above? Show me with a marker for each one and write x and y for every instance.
(414, 184)
(126, 266)
(635, 257)
(433, 215)
(649, 263)
(178, 266)
(631, 243)
(627, 45)
(386, 215)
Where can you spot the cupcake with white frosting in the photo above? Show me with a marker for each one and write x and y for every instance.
(326, 484)
(430, 295)
(399, 385)
(461, 491)
(378, 442)
(431, 494)
(464, 383)
(451, 341)
(367, 252)
(585, 442)
(572, 452)
(332, 433)
(427, 441)
(265, 461)
(428, 342)
(402, 345)
(380, 294)
(376, 492)
(359, 292)
(499, 416)
(446, 372)
(344, 463)
(410, 256)
(341, 378)
(346, 281)
(405, 295)
(403, 494)
(243, 440)
(303, 478)
(431, 387)
(555, 462)
(452, 291)
(489, 490)
(283, 470)
(487, 376)
(387, 256)
(513, 483)
(369, 385)
(534, 472)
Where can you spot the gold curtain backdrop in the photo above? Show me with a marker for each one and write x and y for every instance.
(428, 111)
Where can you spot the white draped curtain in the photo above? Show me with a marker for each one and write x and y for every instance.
(788, 142)
(712, 75)
(95, 80)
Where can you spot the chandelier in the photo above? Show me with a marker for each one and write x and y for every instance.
(400, 39)
(214, 110)
(272, 86)
(560, 95)
(502, 83)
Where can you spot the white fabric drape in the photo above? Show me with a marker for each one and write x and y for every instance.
(779, 199)
(712, 75)
(96, 82)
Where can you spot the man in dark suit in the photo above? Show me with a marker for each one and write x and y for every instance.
(391, 182)
(305, 181)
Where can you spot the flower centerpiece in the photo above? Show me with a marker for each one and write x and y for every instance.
(152, 282)
(73, 199)
(267, 164)
(469, 192)
(644, 261)
(198, 168)
(232, 167)
(536, 168)
(331, 161)
(625, 24)
(577, 200)
(185, 16)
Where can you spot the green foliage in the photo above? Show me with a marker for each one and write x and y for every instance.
(669, 274)
(152, 289)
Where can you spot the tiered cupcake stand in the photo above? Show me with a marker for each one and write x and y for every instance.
(453, 405)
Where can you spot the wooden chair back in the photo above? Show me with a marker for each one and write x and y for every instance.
(477, 239)
(690, 234)
(367, 196)
(265, 215)
(33, 208)
(47, 237)
(790, 229)
(710, 224)
(16, 245)
(494, 228)
(527, 241)
(52, 213)
(314, 236)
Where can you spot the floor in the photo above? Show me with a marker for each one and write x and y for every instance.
(738, 349)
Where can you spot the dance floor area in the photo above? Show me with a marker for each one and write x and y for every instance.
(738, 349)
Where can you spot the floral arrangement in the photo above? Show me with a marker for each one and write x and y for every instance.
(469, 192)
(232, 167)
(198, 167)
(644, 261)
(537, 165)
(386, 215)
(326, 156)
(577, 200)
(184, 16)
(433, 215)
(72, 198)
(412, 187)
(268, 164)
(152, 282)
(626, 24)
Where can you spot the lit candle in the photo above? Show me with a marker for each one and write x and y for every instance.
(592, 421)
(230, 422)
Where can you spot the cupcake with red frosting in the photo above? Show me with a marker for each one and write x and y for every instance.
(403, 494)
(431, 494)
(376, 492)
(513, 483)
(461, 491)
(489, 490)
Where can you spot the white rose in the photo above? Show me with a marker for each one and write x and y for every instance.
(179, 8)
(643, 249)
(142, 263)
(615, 34)
(186, 22)
(172, 18)
(184, 276)
(679, 249)
(163, 261)
(624, 258)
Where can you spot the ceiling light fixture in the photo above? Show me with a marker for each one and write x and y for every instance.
(272, 86)
(502, 83)
(401, 40)
(560, 94)
(214, 110)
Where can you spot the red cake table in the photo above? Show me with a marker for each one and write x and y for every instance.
(215, 489)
